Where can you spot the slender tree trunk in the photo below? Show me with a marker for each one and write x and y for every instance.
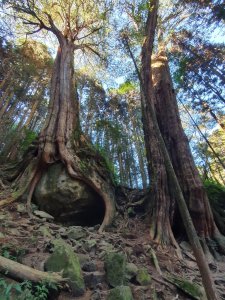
(5, 105)
(128, 162)
(138, 146)
(204, 137)
(213, 89)
(141, 164)
(33, 111)
(7, 81)
(205, 106)
(11, 151)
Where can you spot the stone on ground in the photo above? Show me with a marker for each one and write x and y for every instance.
(76, 233)
(64, 259)
(131, 271)
(143, 277)
(43, 214)
(120, 293)
(115, 267)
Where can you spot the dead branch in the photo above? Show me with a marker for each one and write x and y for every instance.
(20, 272)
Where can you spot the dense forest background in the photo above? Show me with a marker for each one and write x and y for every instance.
(108, 87)
(115, 97)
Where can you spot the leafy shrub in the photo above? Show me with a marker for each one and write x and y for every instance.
(216, 194)
(30, 136)
(9, 251)
(107, 163)
(25, 290)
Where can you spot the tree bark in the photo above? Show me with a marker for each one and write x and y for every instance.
(63, 118)
(5, 105)
(61, 139)
(161, 208)
(178, 147)
(163, 168)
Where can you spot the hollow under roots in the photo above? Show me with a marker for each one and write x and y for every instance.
(95, 175)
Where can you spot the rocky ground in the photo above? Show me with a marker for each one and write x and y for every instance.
(120, 263)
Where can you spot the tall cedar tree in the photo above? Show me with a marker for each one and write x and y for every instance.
(164, 181)
(73, 23)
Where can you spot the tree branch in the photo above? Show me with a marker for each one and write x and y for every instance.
(87, 46)
(53, 28)
(90, 33)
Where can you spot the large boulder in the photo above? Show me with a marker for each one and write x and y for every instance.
(76, 233)
(67, 199)
(64, 260)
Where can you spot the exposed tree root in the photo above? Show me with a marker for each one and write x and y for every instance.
(33, 184)
(57, 141)
(30, 172)
(7, 201)
(220, 242)
(161, 233)
(96, 182)
(2, 184)
(155, 261)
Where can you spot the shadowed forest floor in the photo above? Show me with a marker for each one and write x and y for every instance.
(29, 241)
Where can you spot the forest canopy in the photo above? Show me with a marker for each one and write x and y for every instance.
(114, 95)
(108, 89)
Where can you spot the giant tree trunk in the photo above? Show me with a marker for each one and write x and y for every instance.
(161, 208)
(56, 137)
(177, 145)
(61, 140)
(164, 159)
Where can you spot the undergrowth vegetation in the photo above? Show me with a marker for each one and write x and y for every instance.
(216, 194)
(25, 290)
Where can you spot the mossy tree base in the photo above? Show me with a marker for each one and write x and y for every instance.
(88, 166)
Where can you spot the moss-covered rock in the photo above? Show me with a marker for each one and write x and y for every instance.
(120, 293)
(143, 277)
(131, 271)
(76, 233)
(45, 231)
(64, 259)
(21, 208)
(188, 287)
(115, 267)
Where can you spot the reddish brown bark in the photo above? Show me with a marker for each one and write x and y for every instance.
(178, 147)
(165, 168)
(161, 203)
(61, 137)
(62, 119)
